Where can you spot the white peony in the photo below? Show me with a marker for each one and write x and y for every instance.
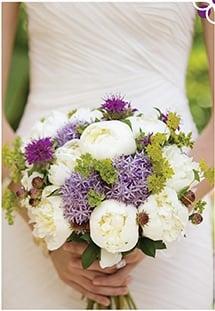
(147, 125)
(66, 157)
(167, 216)
(49, 222)
(182, 165)
(113, 227)
(48, 126)
(87, 115)
(68, 153)
(107, 139)
(58, 173)
(26, 180)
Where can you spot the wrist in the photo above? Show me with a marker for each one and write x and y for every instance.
(202, 189)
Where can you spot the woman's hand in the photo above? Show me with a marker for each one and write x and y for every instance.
(95, 283)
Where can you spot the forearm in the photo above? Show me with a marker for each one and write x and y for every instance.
(204, 150)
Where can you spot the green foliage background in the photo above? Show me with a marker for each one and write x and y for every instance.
(197, 77)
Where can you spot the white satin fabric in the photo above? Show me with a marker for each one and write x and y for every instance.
(79, 52)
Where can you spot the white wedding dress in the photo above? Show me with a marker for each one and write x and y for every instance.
(80, 52)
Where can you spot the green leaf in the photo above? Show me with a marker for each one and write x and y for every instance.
(90, 255)
(55, 192)
(139, 114)
(196, 175)
(158, 110)
(86, 237)
(183, 191)
(149, 246)
(75, 237)
(126, 121)
(160, 244)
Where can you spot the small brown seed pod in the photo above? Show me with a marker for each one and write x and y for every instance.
(37, 182)
(21, 193)
(35, 193)
(196, 218)
(142, 218)
(34, 202)
(188, 198)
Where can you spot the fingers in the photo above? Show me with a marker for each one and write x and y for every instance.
(75, 263)
(134, 257)
(100, 290)
(119, 278)
(75, 248)
(90, 275)
(98, 298)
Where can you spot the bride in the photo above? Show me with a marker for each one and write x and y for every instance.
(79, 52)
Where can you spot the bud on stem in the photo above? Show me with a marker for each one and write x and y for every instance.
(35, 193)
(34, 202)
(37, 182)
(196, 218)
(188, 198)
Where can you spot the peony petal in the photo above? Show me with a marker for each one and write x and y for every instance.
(109, 259)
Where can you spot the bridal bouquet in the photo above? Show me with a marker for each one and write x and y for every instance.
(110, 177)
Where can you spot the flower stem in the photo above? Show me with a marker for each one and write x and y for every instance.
(132, 301)
(90, 304)
(116, 302)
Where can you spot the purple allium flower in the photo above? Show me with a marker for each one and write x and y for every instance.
(39, 151)
(115, 104)
(74, 195)
(131, 187)
(146, 139)
(68, 132)
(164, 117)
(115, 107)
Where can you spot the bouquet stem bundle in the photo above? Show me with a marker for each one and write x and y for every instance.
(124, 302)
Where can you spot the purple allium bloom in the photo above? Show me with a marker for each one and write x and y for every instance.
(115, 104)
(74, 195)
(115, 107)
(68, 132)
(39, 151)
(131, 187)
